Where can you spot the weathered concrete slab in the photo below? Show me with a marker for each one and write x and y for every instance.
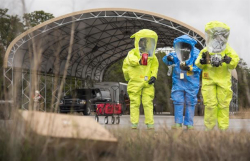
(67, 126)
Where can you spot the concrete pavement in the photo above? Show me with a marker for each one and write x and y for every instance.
(167, 120)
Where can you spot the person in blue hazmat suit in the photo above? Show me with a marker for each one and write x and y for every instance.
(185, 78)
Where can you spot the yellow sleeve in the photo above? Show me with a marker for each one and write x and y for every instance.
(133, 60)
(125, 69)
(154, 67)
(235, 58)
(197, 62)
(130, 60)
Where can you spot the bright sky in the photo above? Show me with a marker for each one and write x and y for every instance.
(196, 13)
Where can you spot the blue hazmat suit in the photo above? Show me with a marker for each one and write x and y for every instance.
(184, 91)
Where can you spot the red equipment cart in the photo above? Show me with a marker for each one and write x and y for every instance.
(109, 109)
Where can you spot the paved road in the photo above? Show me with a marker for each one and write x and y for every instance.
(167, 121)
(160, 121)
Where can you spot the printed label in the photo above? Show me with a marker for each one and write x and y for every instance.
(181, 75)
(205, 75)
(189, 73)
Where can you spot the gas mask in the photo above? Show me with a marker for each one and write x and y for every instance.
(216, 39)
(183, 51)
(216, 60)
(146, 49)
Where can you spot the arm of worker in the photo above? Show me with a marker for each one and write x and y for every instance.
(130, 60)
(233, 62)
(154, 67)
(125, 69)
(199, 62)
(169, 59)
(194, 68)
(133, 60)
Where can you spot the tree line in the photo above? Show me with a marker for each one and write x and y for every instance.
(13, 25)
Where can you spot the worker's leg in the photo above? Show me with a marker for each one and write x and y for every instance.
(190, 101)
(224, 95)
(178, 101)
(147, 101)
(210, 102)
(134, 91)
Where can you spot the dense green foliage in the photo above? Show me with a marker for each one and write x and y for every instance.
(243, 73)
(11, 26)
(35, 18)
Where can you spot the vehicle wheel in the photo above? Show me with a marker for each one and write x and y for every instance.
(113, 120)
(117, 120)
(87, 111)
(106, 121)
(96, 118)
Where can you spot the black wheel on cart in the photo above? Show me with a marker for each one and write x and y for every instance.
(96, 118)
(106, 120)
(113, 120)
(118, 120)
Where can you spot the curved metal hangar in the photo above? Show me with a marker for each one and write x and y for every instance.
(100, 37)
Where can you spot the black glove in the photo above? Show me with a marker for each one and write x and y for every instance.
(203, 60)
(227, 59)
(152, 80)
(185, 67)
(170, 58)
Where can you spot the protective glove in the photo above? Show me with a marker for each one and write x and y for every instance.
(203, 60)
(185, 67)
(152, 80)
(170, 58)
(227, 59)
(140, 61)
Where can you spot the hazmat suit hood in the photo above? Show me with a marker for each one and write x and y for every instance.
(188, 40)
(145, 33)
(217, 34)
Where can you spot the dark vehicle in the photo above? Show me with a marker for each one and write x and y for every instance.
(83, 100)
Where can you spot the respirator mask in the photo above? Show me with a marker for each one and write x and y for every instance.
(146, 49)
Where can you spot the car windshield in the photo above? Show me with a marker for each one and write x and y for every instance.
(80, 93)
(105, 94)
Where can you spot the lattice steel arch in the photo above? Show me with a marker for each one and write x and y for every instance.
(101, 37)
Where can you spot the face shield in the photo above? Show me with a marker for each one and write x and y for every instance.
(216, 39)
(147, 45)
(183, 51)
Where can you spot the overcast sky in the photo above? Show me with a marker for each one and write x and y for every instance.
(196, 13)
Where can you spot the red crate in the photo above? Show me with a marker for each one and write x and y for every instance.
(108, 109)
(100, 109)
(117, 108)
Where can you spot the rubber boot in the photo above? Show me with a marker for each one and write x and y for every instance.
(134, 126)
(176, 126)
(190, 127)
(150, 126)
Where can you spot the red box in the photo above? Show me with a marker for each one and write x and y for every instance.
(117, 108)
(100, 109)
(108, 109)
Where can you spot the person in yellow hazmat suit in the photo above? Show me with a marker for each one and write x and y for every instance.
(217, 60)
(140, 69)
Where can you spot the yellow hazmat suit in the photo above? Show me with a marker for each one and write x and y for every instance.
(216, 81)
(138, 77)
